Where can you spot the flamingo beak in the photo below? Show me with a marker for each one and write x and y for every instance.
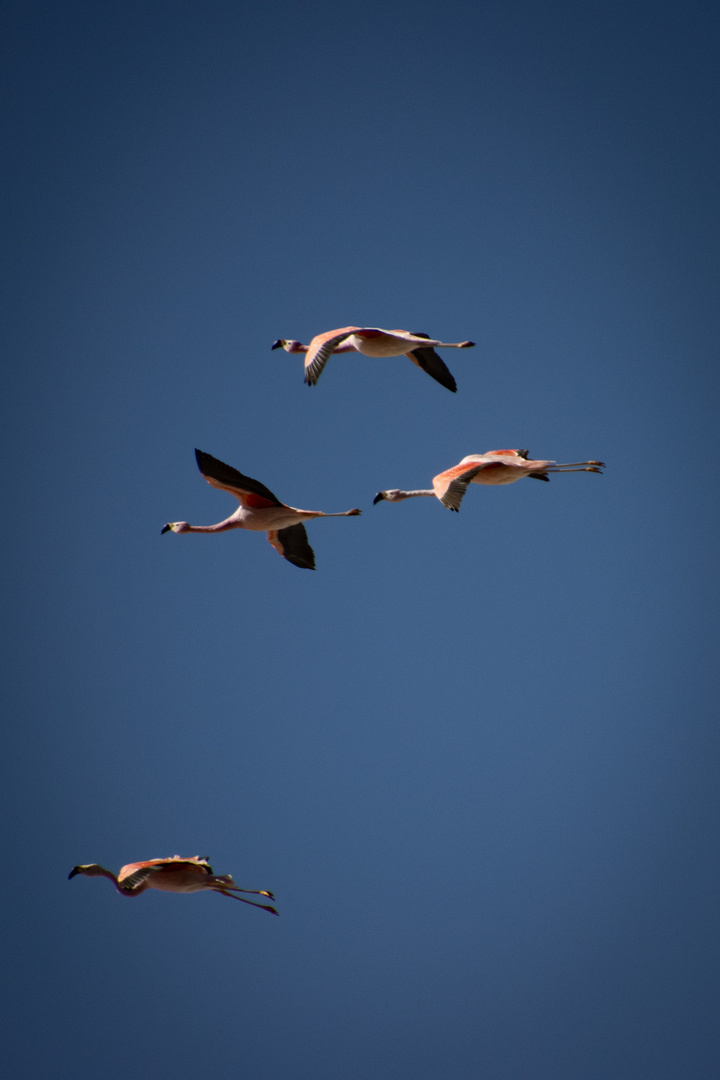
(166, 528)
(378, 498)
(277, 344)
(75, 870)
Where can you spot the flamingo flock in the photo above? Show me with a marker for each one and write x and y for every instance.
(261, 511)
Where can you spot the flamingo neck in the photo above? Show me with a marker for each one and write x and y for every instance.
(222, 526)
(99, 871)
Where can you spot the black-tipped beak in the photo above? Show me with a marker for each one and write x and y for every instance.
(277, 344)
(75, 870)
(378, 498)
(165, 528)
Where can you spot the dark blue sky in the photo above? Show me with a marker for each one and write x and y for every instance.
(475, 756)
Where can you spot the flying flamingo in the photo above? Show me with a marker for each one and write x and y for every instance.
(172, 875)
(494, 467)
(259, 511)
(374, 342)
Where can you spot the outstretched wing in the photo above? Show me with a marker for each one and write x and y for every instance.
(292, 544)
(427, 359)
(134, 875)
(451, 485)
(519, 457)
(321, 349)
(250, 493)
(132, 882)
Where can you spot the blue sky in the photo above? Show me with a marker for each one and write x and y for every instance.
(474, 756)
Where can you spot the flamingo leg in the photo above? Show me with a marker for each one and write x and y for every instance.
(565, 468)
(229, 884)
(569, 464)
(232, 896)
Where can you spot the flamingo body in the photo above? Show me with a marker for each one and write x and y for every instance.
(174, 874)
(259, 511)
(372, 341)
(492, 468)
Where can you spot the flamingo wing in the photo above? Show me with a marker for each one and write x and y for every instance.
(427, 359)
(321, 349)
(292, 544)
(519, 458)
(250, 493)
(133, 876)
(451, 485)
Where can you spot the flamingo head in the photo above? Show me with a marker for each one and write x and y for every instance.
(288, 344)
(392, 495)
(175, 526)
(91, 869)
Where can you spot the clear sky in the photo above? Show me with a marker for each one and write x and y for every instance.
(475, 756)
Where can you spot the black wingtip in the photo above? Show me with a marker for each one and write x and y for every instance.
(204, 460)
(445, 380)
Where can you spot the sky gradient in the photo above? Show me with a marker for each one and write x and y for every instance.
(475, 756)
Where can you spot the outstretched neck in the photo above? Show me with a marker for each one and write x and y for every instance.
(412, 494)
(222, 526)
(397, 495)
(102, 872)
(95, 870)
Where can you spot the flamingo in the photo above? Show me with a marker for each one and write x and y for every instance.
(374, 342)
(172, 875)
(494, 467)
(260, 511)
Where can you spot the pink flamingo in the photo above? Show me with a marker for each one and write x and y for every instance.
(172, 875)
(494, 467)
(372, 341)
(260, 511)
